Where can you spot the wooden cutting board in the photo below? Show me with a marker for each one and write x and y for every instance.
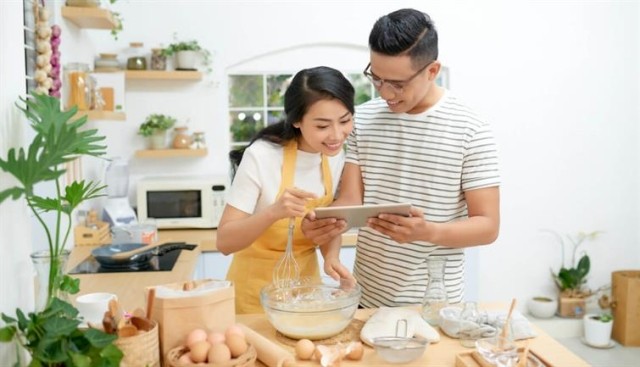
(474, 359)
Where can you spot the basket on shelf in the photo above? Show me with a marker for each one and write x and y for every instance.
(247, 359)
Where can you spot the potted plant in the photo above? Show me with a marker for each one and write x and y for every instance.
(572, 276)
(186, 54)
(51, 333)
(597, 329)
(155, 127)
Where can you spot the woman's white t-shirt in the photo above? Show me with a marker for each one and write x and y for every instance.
(257, 180)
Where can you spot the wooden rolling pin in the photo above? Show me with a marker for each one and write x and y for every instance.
(269, 353)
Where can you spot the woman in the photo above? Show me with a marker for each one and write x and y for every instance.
(288, 169)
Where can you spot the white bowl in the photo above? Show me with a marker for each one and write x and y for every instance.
(542, 307)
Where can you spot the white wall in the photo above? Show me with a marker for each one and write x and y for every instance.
(559, 82)
(15, 238)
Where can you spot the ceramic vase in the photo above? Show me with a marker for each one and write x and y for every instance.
(46, 267)
(186, 60)
(542, 307)
(158, 140)
(597, 333)
(181, 139)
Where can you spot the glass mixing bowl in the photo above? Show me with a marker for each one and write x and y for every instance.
(311, 310)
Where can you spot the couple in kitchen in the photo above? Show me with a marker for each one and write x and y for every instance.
(416, 143)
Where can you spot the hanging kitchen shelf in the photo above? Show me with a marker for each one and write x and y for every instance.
(102, 115)
(162, 75)
(171, 153)
(94, 18)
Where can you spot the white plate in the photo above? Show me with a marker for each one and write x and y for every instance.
(608, 346)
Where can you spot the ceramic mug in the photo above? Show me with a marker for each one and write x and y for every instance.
(92, 306)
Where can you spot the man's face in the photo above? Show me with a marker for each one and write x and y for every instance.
(405, 88)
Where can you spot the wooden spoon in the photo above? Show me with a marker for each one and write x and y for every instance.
(523, 361)
(507, 321)
(151, 295)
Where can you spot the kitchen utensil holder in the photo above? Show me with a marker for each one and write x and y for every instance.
(142, 349)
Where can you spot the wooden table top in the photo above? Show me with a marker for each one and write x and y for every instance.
(441, 354)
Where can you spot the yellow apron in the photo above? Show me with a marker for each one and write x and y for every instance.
(252, 268)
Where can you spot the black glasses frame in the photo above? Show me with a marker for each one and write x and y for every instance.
(396, 85)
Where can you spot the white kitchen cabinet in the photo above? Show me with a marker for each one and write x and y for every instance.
(212, 265)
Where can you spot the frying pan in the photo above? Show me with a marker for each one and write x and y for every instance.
(111, 256)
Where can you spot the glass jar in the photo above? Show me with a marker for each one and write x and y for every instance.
(469, 330)
(107, 62)
(435, 296)
(78, 90)
(181, 139)
(198, 140)
(158, 59)
(137, 60)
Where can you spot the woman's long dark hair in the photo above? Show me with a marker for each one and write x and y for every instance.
(307, 87)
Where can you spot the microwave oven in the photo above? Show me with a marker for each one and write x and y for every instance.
(181, 202)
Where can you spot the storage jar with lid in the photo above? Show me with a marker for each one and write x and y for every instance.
(181, 139)
(107, 62)
(158, 59)
(78, 88)
(137, 60)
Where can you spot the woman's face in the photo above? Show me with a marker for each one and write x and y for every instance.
(325, 127)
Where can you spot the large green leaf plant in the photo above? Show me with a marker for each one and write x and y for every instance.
(52, 335)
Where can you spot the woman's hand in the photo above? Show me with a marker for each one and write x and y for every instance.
(322, 231)
(334, 268)
(291, 203)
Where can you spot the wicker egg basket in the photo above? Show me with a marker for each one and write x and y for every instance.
(247, 359)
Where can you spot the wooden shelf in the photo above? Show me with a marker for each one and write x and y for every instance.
(162, 75)
(171, 153)
(102, 115)
(94, 18)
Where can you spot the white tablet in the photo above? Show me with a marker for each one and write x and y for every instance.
(357, 215)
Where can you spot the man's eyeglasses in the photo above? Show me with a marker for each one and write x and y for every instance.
(397, 86)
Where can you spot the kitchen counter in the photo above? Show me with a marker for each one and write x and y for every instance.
(130, 287)
(441, 354)
(207, 237)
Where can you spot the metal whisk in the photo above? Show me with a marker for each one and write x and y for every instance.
(287, 271)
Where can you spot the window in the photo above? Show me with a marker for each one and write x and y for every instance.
(256, 100)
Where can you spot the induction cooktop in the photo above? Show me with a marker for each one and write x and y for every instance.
(163, 262)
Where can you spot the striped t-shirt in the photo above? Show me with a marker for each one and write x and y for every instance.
(427, 159)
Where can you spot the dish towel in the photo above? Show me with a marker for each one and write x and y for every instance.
(387, 321)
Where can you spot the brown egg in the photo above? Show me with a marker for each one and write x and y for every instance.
(237, 345)
(196, 335)
(219, 353)
(185, 358)
(305, 349)
(356, 350)
(233, 330)
(215, 338)
(199, 351)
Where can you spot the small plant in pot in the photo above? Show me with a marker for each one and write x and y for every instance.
(572, 277)
(597, 329)
(155, 128)
(186, 54)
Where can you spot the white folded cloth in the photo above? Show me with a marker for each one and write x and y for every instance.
(487, 325)
(384, 322)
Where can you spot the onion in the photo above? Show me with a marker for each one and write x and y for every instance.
(56, 31)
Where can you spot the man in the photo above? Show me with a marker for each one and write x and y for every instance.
(417, 143)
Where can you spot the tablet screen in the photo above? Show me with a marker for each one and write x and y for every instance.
(357, 215)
